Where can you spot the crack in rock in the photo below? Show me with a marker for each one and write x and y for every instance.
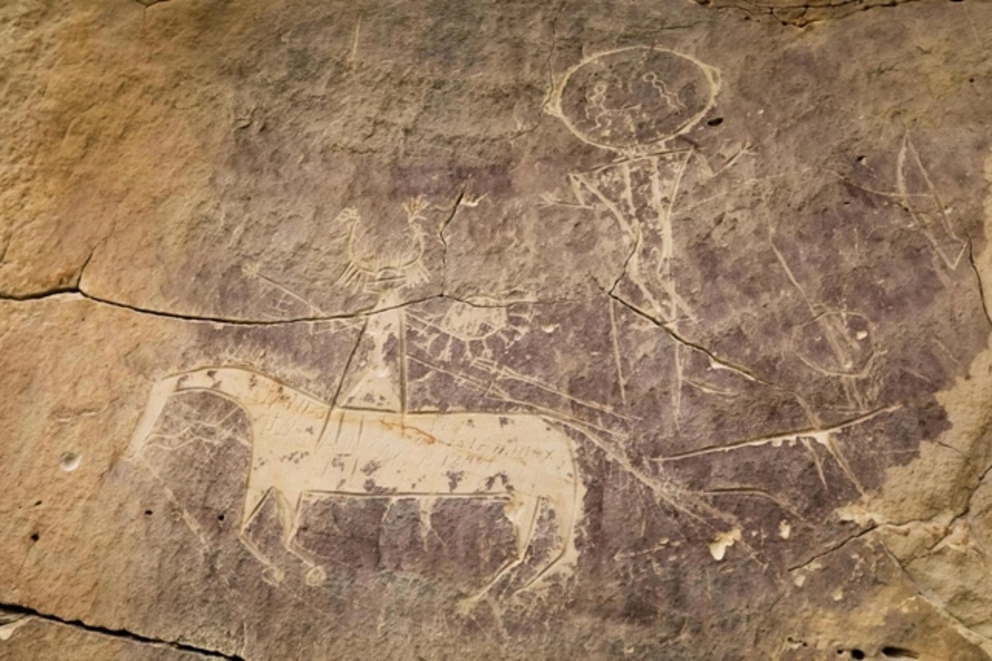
(14, 613)
(739, 369)
(78, 294)
(978, 278)
(834, 548)
(801, 14)
(444, 240)
(75, 293)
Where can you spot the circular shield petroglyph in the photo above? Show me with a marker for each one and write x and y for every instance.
(635, 98)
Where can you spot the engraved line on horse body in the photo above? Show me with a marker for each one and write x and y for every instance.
(285, 422)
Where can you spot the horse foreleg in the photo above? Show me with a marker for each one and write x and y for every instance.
(289, 515)
(272, 574)
(315, 573)
(524, 523)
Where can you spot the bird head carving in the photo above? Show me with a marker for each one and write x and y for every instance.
(347, 216)
(414, 207)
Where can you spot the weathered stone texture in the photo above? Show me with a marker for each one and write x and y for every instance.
(496, 330)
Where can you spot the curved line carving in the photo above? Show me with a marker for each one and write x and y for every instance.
(302, 446)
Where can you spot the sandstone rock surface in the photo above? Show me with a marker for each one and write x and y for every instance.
(495, 330)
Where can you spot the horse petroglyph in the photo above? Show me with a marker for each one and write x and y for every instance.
(303, 447)
(372, 441)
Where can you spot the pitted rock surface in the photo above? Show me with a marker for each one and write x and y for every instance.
(494, 330)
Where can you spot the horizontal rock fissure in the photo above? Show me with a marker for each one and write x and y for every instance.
(245, 322)
(851, 7)
(833, 549)
(123, 634)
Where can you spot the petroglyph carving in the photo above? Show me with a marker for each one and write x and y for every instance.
(822, 436)
(632, 102)
(11, 622)
(479, 329)
(283, 301)
(916, 192)
(385, 256)
(380, 261)
(634, 99)
(919, 195)
(835, 342)
(377, 378)
(302, 447)
(640, 195)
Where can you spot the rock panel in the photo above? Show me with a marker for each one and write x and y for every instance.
(496, 330)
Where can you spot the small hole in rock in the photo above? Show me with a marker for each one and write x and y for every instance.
(148, 512)
(857, 654)
(34, 537)
(37, 503)
(69, 461)
(860, 159)
(716, 121)
(899, 653)
(220, 517)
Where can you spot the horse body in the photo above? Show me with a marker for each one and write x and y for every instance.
(302, 446)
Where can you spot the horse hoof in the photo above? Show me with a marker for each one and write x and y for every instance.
(466, 605)
(273, 575)
(316, 576)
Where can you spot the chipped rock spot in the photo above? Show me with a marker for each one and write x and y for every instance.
(723, 541)
(859, 514)
(7, 630)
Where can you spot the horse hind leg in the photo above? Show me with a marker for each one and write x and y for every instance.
(524, 523)
(566, 513)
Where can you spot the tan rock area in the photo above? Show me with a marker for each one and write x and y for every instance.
(653, 329)
(42, 638)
